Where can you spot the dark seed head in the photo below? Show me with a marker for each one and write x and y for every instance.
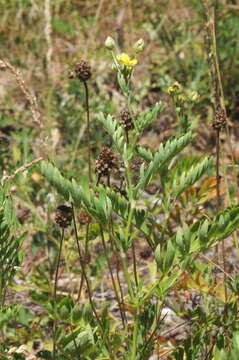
(84, 218)
(126, 120)
(219, 121)
(63, 216)
(105, 162)
(83, 71)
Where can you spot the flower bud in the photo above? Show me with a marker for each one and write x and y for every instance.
(139, 46)
(109, 43)
(193, 96)
(175, 89)
(114, 67)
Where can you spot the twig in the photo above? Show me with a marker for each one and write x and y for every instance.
(48, 35)
(217, 266)
(21, 169)
(31, 99)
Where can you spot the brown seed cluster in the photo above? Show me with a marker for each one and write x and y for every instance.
(219, 121)
(82, 71)
(84, 218)
(105, 162)
(126, 120)
(63, 216)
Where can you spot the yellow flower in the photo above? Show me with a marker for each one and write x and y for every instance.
(125, 60)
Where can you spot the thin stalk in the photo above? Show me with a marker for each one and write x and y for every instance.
(218, 206)
(75, 344)
(127, 137)
(114, 250)
(2, 292)
(112, 276)
(101, 327)
(80, 287)
(220, 92)
(217, 266)
(123, 256)
(127, 231)
(86, 252)
(219, 98)
(135, 338)
(54, 294)
(135, 265)
(156, 327)
(121, 293)
(126, 273)
(217, 178)
(88, 128)
(218, 139)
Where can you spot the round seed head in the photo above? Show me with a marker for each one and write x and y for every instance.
(105, 162)
(63, 216)
(83, 71)
(84, 218)
(126, 120)
(219, 121)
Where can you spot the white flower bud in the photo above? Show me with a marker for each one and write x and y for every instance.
(109, 43)
(139, 46)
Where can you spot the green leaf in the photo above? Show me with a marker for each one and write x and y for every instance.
(159, 257)
(162, 157)
(123, 84)
(188, 178)
(114, 129)
(81, 195)
(169, 256)
(146, 119)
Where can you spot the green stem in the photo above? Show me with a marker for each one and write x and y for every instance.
(135, 338)
(75, 344)
(127, 230)
(101, 327)
(126, 272)
(111, 275)
(88, 128)
(86, 254)
(135, 265)
(54, 294)
(115, 252)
